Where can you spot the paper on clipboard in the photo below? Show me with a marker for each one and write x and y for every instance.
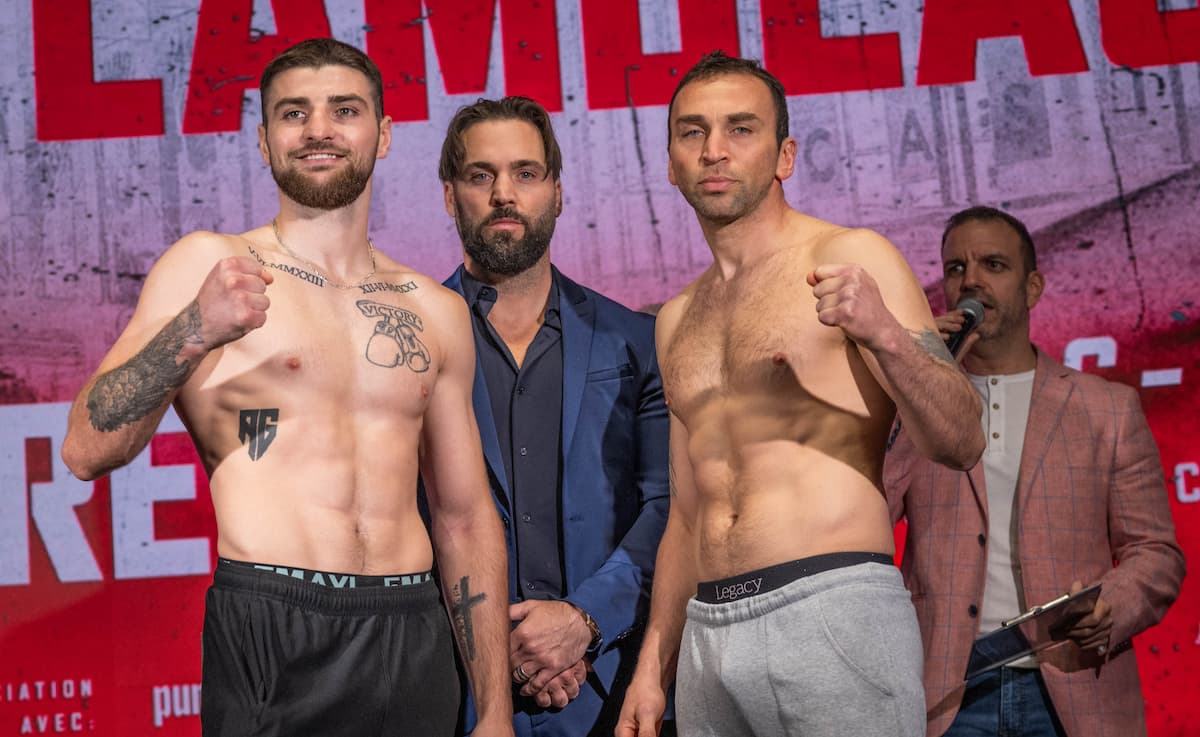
(1033, 630)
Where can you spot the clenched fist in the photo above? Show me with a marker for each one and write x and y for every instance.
(233, 300)
(848, 298)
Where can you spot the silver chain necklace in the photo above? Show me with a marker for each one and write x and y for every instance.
(324, 274)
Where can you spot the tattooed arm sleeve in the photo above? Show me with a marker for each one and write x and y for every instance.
(116, 414)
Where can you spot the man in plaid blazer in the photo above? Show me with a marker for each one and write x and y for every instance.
(1070, 482)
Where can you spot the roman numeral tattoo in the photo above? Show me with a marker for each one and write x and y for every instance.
(460, 615)
(140, 385)
(256, 430)
(395, 342)
(932, 343)
(315, 279)
(378, 286)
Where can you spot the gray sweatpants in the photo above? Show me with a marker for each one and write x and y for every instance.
(836, 653)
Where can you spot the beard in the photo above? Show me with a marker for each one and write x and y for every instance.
(333, 194)
(501, 253)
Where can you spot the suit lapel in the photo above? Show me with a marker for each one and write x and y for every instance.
(578, 314)
(482, 402)
(975, 478)
(978, 483)
(1050, 393)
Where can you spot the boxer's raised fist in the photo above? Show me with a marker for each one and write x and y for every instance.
(233, 300)
(848, 298)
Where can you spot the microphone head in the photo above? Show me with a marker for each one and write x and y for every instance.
(971, 308)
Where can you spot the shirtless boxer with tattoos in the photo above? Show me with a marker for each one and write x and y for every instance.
(317, 377)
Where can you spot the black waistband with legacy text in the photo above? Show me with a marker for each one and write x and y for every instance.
(773, 577)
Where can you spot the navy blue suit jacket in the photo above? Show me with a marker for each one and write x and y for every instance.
(614, 491)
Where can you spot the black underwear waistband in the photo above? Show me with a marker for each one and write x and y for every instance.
(333, 580)
(773, 577)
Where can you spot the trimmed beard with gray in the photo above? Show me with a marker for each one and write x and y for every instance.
(501, 253)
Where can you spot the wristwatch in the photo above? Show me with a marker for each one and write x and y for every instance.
(597, 638)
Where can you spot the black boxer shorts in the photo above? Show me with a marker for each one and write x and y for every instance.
(295, 652)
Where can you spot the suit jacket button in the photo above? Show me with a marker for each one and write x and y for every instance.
(982, 539)
(973, 611)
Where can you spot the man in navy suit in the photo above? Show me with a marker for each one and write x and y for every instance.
(570, 407)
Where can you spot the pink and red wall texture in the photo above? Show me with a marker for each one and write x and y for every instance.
(127, 124)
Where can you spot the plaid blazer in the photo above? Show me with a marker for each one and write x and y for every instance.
(1090, 491)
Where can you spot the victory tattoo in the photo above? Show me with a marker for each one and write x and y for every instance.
(256, 429)
(460, 614)
(932, 343)
(395, 342)
(140, 385)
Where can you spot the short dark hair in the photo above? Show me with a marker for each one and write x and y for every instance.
(718, 63)
(982, 213)
(323, 52)
(514, 107)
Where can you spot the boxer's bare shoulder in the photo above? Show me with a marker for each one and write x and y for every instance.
(670, 313)
(898, 286)
(182, 267)
(867, 248)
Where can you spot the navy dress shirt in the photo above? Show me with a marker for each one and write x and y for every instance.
(527, 408)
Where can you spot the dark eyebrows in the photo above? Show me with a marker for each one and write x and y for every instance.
(744, 118)
(993, 256)
(491, 169)
(529, 164)
(700, 120)
(481, 165)
(289, 102)
(305, 102)
(340, 99)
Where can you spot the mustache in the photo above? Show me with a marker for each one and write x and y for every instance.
(506, 213)
(315, 148)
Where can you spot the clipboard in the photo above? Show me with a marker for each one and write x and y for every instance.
(1031, 631)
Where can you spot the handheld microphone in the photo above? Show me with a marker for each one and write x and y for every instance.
(972, 315)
